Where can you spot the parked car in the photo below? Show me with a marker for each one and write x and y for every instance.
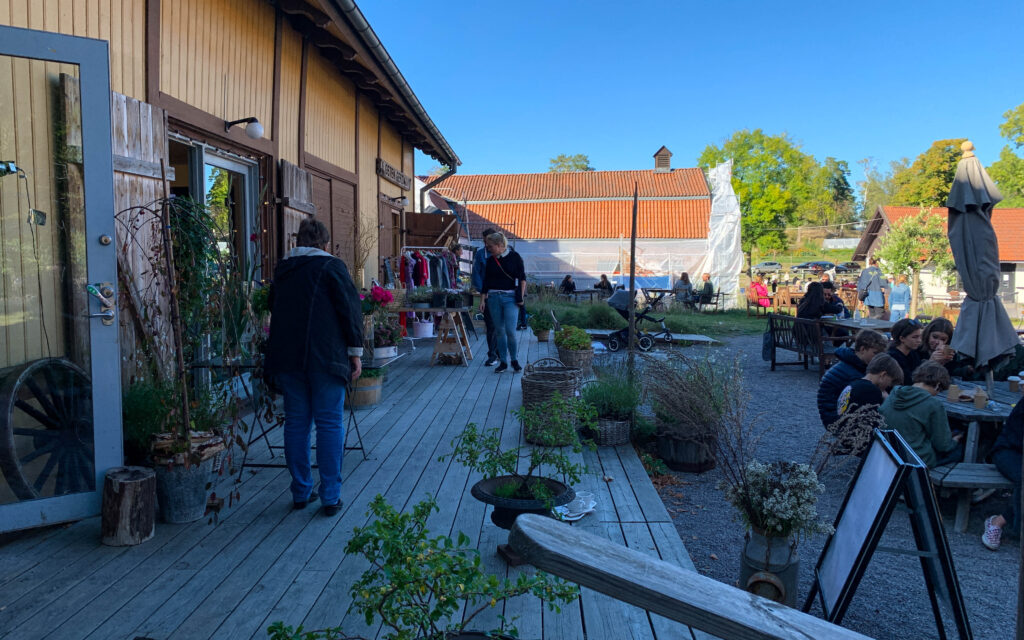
(816, 266)
(848, 267)
(766, 267)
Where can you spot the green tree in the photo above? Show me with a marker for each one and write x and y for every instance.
(1008, 170)
(927, 181)
(913, 243)
(832, 202)
(563, 163)
(773, 180)
(878, 186)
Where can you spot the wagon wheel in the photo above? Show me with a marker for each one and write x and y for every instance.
(46, 430)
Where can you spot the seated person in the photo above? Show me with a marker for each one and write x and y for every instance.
(707, 290)
(814, 304)
(683, 289)
(882, 374)
(604, 286)
(920, 417)
(906, 340)
(1006, 455)
(760, 292)
(567, 285)
(851, 365)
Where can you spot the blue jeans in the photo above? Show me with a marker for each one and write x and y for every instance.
(308, 398)
(1008, 463)
(505, 314)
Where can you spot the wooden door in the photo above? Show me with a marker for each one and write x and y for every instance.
(335, 202)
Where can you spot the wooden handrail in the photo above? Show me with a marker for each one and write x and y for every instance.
(660, 587)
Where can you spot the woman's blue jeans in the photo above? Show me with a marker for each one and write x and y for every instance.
(505, 314)
(309, 398)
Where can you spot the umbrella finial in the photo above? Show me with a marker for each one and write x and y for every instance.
(968, 148)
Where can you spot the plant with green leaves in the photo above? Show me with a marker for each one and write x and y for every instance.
(481, 451)
(556, 421)
(420, 295)
(777, 499)
(541, 321)
(373, 372)
(426, 588)
(572, 338)
(913, 243)
(614, 397)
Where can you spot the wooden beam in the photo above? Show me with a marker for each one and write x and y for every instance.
(660, 587)
(152, 51)
(324, 40)
(143, 168)
(300, 8)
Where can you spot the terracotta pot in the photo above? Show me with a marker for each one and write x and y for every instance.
(506, 510)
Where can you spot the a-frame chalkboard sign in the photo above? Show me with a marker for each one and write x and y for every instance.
(891, 469)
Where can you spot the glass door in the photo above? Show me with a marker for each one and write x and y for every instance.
(60, 426)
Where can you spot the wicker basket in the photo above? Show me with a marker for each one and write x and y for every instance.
(541, 379)
(582, 360)
(611, 433)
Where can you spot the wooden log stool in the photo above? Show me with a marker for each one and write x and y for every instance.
(129, 506)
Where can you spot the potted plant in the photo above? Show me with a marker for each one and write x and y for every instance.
(420, 297)
(423, 587)
(438, 298)
(387, 333)
(690, 397)
(542, 324)
(574, 348)
(366, 390)
(614, 398)
(508, 489)
(556, 422)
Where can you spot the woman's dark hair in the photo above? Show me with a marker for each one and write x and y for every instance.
(312, 233)
(932, 374)
(938, 325)
(685, 277)
(903, 328)
(812, 301)
(566, 279)
(603, 277)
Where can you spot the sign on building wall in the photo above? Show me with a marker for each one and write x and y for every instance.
(393, 175)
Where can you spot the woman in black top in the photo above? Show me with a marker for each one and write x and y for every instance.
(906, 340)
(502, 294)
(567, 286)
(814, 303)
(604, 286)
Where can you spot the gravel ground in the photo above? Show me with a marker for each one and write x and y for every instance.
(891, 600)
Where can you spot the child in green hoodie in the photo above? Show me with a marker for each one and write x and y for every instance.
(920, 417)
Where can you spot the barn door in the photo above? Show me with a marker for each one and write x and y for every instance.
(60, 408)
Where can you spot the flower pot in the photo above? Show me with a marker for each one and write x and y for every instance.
(770, 567)
(384, 352)
(181, 490)
(423, 329)
(506, 510)
(543, 335)
(419, 305)
(692, 455)
(582, 360)
(366, 392)
(611, 433)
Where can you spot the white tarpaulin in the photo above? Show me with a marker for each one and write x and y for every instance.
(725, 255)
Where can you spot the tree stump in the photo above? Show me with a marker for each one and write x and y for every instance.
(129, 506)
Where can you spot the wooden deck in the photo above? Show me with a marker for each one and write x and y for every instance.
(264, 562)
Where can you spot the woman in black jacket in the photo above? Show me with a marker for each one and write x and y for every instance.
(567, 286)
(502, 294)
(316, 339)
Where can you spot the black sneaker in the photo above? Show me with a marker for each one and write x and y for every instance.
(515, 366)
(301, 504)
(501, 367)
(491, 362)
(331, 510)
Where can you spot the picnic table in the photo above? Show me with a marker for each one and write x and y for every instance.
(575, 295)
(856, 325)
(653, 297)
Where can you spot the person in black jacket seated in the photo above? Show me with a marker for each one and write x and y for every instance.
(316, 338)
(604, 286)
(568, 285)
(814, 304)
(503, 292)
(1006, 455)
(851, 365)
(906, 340)
(882, 374)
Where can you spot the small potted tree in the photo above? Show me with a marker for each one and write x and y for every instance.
(557, 421)
(614, 399)
(542, 324)
(427, 588)
(575, 348)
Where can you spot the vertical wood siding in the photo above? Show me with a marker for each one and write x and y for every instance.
(121, 22)
(391, 151)
(330, 114)
(368, 206)
(219, 56)
(291, 79)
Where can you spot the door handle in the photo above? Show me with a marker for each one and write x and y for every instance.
(106, 316)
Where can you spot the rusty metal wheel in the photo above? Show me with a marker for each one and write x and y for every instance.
(46, 429)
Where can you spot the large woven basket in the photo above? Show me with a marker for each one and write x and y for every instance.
(541, 379)
(582, 360)
(611, 433)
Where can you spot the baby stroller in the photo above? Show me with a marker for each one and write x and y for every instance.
(644, 340)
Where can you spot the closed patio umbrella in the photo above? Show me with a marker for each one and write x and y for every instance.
(984, 330)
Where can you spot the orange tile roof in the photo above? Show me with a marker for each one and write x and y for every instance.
(572, 185)
(599, 219)
(1007, 223)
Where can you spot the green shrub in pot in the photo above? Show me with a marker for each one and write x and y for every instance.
(572, 339)
(614, 397)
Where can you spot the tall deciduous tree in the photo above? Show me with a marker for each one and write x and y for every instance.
(927, 181)
(913, 243)
(1008, 171)
(564, 163)
(772, 178)
(831, 202)
(878, 186)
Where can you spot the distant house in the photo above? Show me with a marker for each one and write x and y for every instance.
(580, 222)
(1009, 228)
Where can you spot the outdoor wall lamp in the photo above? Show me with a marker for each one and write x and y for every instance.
(253, 128)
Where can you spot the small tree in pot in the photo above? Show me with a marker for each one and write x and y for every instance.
(557, 421)
(418, 585)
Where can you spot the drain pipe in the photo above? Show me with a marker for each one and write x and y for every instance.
(369, 38)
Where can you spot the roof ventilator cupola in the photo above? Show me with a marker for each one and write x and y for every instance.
(662, 160)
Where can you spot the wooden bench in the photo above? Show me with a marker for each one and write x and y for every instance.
(753, 304)
(683, 595)
(964, 478)
(712, 301)
(803, 337)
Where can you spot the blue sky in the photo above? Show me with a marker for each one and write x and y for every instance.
(512, 84)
